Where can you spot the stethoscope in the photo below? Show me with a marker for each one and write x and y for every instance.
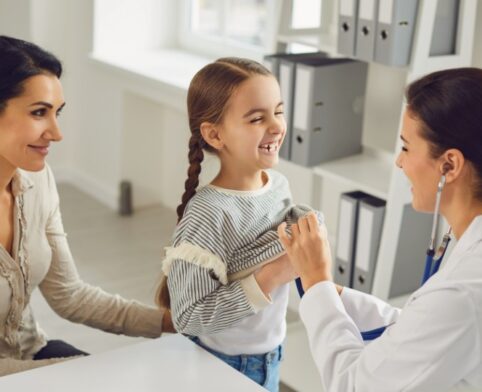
(432, 260)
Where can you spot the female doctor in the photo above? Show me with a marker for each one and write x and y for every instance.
(435, 342)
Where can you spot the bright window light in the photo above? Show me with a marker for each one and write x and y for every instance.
(306, 14)
(243, 21)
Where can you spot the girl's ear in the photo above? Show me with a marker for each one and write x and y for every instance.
(210, 134)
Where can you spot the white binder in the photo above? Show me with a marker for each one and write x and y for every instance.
(395, 31)
(347, 26)
(369, 232)
(346, 237)
(366, 29)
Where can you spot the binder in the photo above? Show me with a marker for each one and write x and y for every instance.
(328, 110)
(282, 66)
(346, 237)
(347, 27)
(395, 31)
(444, 33)
(366, 29)
(410, 251)
(369, 233)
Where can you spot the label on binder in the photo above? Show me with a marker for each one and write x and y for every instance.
(364, 241)
(346, 222)
(346, 7)
(385, 11)
(303, 87)
(367, 9)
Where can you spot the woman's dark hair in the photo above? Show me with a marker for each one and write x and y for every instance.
(207, 98)
(20, 60)
(449, 105)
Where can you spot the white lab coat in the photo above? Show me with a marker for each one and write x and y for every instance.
(434, 343)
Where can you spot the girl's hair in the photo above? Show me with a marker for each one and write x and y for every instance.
(207, 98)
(449, 105)
(20, 60)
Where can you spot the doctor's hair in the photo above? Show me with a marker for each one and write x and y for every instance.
(21, 60)
(449, 105)
(207, 99)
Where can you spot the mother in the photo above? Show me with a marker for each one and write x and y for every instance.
(33, 247)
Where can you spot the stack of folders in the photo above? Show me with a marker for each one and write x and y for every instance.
(282, 66)
(382, 30)
(323, 103)
(360, 223)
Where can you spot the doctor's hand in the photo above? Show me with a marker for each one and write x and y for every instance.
(308, 250)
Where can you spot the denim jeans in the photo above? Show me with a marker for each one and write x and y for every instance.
(261, 368)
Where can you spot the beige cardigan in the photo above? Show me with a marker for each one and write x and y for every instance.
(41, 257)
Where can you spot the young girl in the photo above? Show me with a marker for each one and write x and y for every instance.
(227, 230)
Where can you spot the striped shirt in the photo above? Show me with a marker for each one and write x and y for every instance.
(222, 238)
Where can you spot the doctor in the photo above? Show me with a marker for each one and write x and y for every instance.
(435, 342)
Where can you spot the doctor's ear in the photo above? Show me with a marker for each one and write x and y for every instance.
(210, 134)
(452, 165)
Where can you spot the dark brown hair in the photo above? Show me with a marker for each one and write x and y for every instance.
(207, 98)
(449, 105)
(21, 60)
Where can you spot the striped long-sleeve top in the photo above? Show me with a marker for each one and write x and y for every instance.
(222, 238)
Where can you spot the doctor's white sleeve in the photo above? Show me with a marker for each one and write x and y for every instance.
(367, 311)
(429, 348)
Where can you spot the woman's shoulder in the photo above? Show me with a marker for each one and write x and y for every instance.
(40, 182)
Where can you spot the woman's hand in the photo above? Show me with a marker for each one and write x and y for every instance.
(308, 250)
(275, 274)
(167, 325)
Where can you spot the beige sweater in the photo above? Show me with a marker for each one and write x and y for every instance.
(41, 258)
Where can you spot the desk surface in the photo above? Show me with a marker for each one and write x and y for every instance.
(171, 363)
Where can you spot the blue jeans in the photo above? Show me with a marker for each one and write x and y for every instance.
(261, 368)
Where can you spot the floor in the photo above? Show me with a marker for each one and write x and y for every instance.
(120, 254)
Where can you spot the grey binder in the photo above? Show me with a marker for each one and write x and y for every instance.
(395, 30)
(346, 237)
(410, 252)
(366, 29)
(444, 33)
(347, 26)
(369, 233)
(282, 66)
(328, 110)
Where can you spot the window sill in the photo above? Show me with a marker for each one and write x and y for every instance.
(162, 75)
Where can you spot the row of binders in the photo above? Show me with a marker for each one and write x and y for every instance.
(323, 104)
(383, 30)
(360, 224)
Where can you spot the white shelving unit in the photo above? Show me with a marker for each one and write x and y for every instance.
(372, 171)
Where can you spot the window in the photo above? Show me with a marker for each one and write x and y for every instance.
(242, 27)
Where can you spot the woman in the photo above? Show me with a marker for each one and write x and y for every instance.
(33, 246)
(435, 342)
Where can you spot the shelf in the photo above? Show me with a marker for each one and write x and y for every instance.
(323, 42)
(369, 171)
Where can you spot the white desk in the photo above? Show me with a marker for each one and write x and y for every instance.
(171, 363)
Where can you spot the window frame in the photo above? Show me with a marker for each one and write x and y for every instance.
(225, 46)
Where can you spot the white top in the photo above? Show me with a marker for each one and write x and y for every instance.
(433, 345)
(171, 363)
(41, 258)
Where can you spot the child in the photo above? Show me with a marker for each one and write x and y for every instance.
(225, 290)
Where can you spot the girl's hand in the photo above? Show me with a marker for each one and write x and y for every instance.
(308, 250)
(275, 274)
